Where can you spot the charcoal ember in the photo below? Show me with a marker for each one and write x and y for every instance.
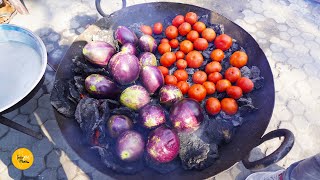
(110, 159)
(245, 71)
(218, 28)
(92, 115)
(162, 168)
(217, 130)
(255, 72)
(81, 66)
(258, 82)
(195, 153)
(204, 18)
(59, 98)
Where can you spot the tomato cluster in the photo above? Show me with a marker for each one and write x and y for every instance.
(189, 55)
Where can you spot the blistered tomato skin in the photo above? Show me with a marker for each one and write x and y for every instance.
(163, 144)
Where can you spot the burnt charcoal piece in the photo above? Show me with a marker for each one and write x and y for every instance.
(195, 153)
(218, 28)
(92, 114)
(81, 66)
(206, 53)
(255, 72)
(258, 82)
(59, 98)
(125, 111)
(245, 71)
(111, 160)
(235, 47)
(204, 19)
(73, 91)
(181, 38)
(162, 168)
(245, 105)
(217, 130)
(225, 65)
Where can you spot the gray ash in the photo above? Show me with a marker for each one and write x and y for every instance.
(60, 98)
(92, 115)
(111, 160)
(162, 168)
(196, 153)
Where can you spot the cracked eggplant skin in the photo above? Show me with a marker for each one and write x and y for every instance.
(101, 86)
(163, 144)
(98, 52)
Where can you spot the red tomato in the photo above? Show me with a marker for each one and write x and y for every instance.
(170, 79)
(194, 59)
(184, 28)
(232, 74)
(191, 18)
(222, 85)
(183, 86)
(146, 29)
(197, 92)
(157, 28)
(245, 84)
(172, 32)
(174, 43)
(163, 48)
(181, 64)
(164, 70)
(229, 106)
(192, 35)
(213, 106)
(164, 40)
(238, 59)
(223, 42)
(186, 46)
(199, 77)
(214, 77)
(178, 20)
(199, 26)
(213, 67)
(208, 34)
(217, 55)
(167, 59)
(210, 87)
(179, 55)
(200, 44)
(234, 92)
(181, 75)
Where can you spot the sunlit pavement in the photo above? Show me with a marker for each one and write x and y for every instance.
(288, 31)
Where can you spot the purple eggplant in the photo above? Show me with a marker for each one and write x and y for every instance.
(98, 52)
(147, 43)
(125, 35)
(151, 116)
(124, 68)
(118, 124)
(135, 97)
(170, 94)
(101, 86)
(151, 78)
(163, 144)
(129, 48)
(148, 59)
(186, 115)
(130, 146)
